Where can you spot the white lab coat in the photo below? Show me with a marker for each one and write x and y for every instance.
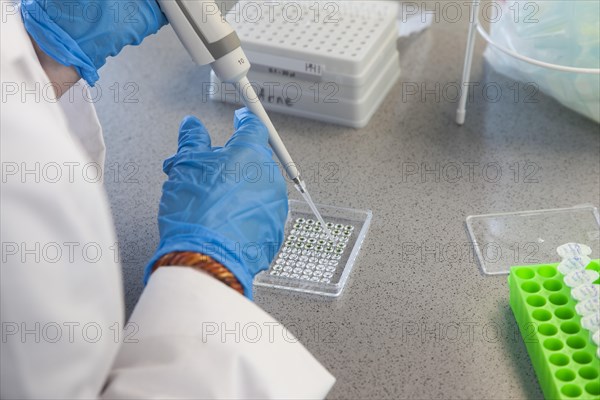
(63, 332)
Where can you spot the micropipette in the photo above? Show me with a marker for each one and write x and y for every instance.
(209, 39)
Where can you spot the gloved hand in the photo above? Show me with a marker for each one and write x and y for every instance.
(229, 203)
(83, 33)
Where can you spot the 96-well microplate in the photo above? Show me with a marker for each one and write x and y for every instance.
(310, 261)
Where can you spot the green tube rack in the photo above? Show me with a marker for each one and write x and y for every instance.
(561, 351)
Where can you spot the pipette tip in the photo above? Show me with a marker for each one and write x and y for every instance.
(300, 185)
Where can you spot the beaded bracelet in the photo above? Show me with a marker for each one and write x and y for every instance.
(200, 262)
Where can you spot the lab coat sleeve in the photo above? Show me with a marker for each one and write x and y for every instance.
(78, 106)
(197, 338)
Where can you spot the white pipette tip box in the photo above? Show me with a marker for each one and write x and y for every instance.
(332, 61)
(308, 260)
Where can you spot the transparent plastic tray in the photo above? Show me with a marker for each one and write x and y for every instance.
(530, 237)
(306, 263)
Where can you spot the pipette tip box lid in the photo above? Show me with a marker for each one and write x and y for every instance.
(333, 61)
(308, 261)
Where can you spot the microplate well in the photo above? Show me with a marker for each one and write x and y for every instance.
(310, 262)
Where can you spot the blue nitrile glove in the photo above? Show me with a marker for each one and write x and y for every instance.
(229, 203)
(83, 33)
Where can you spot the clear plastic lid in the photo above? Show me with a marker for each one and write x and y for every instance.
(530, 237)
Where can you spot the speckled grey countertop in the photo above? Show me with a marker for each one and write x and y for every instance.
(411, 323)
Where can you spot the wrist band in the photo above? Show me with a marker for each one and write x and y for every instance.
(202, 263)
